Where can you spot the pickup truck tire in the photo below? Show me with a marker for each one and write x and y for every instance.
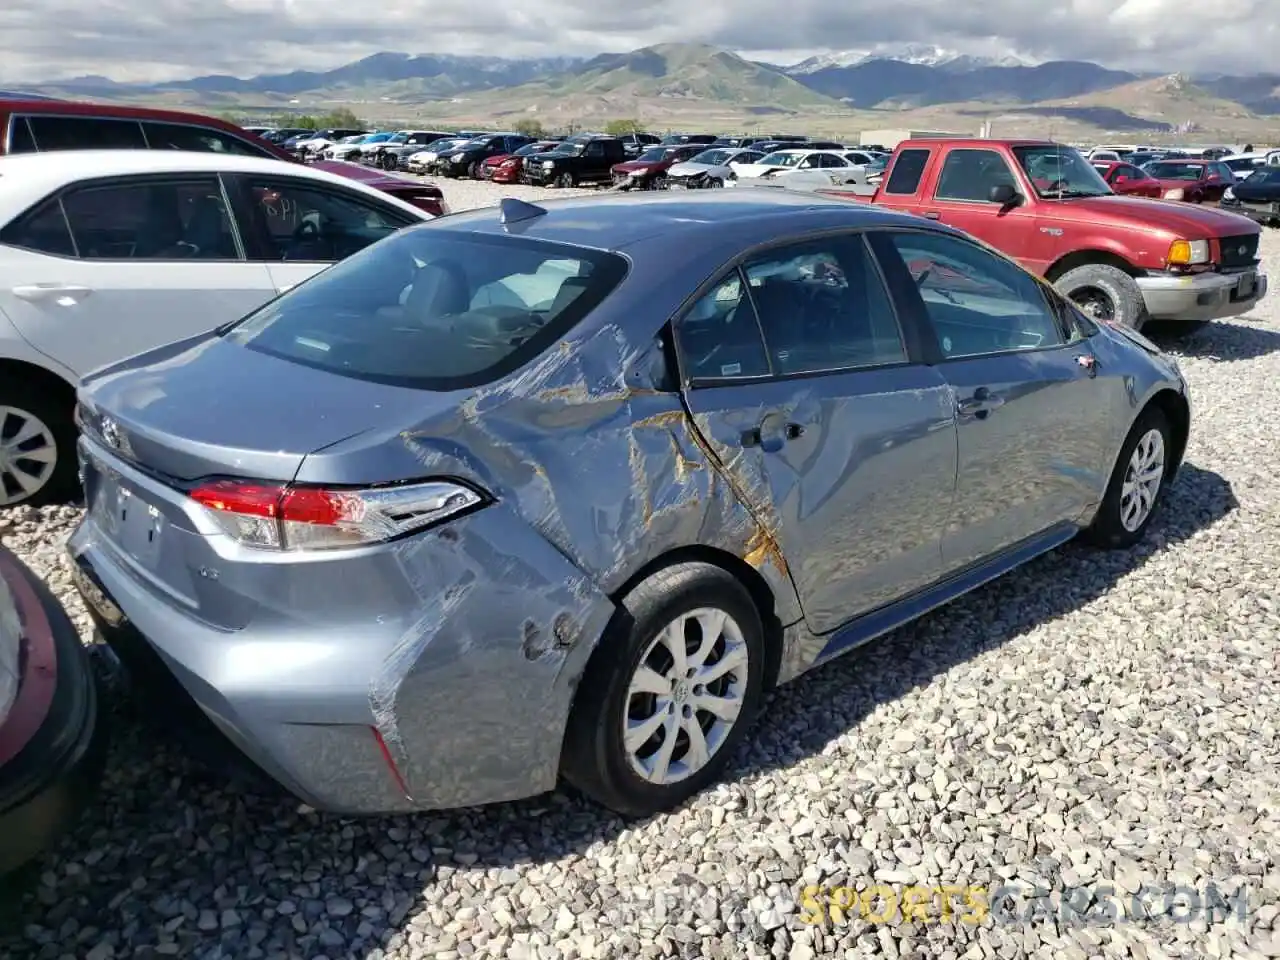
(566, 181)
(1104, 292)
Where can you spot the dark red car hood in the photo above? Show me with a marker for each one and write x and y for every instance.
(637, 166)
(373, 177)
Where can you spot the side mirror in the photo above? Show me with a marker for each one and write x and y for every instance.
(1005, 195)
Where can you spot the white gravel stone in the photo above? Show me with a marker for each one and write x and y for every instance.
(1102, 720)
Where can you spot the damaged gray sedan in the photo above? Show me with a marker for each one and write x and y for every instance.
(535, 492)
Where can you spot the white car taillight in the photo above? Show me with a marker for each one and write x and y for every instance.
(299, 518)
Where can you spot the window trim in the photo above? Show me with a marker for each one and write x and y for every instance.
(26, 115)
(253, 226)
(911, 343)
(132, 180)
(932, 346)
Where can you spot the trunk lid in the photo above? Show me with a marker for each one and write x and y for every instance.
(207, 407)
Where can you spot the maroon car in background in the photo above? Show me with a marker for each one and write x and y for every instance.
(1195, 181)
(424, 196)
(1125, 178)
(646, 170)
(506, 167)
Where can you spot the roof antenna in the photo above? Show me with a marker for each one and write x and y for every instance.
(517, 211)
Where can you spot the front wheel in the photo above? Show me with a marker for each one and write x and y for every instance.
(1139, 479)
(475, 171)
(566, 181)
(668, 694)
(1105, 293)
(37, 448)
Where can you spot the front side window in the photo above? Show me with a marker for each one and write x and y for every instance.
(434, 309)
(970, 175)
(306, 224)
(782, 159)
(85, 133)
(908, 169)
(977, 303)
(151, 220)
(177, 136)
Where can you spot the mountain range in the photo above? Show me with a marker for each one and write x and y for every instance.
(903, 88)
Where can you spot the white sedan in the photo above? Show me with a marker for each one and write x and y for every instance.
(105, 254)
(806, 169)
(423, 160)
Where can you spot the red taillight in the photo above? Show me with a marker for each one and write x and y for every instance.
(283, 517)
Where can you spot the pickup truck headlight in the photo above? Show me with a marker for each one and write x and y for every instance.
(1186, 253)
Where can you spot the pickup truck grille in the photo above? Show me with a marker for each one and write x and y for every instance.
(1239, 251)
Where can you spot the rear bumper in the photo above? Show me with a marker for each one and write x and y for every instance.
(403, 679)
(1206, 296)
(46, 785)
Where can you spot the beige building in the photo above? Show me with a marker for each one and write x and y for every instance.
(891, 138)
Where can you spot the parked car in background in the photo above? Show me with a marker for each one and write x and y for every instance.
(1123, 260)
(261, 132)
(1126, 179)
(682, 139)
(375, 516)
(392, 154)
(348, 148)
(636, 143)
(650, 168)
(1195, 181)
(803, 167)
(709, 168)
(467, 159)
(424, 160)
(53, 736)
(281, 135)
(508, 168)
(1257, 197)
(46, 126)
(427, 197)
(576, 161)
(312, 147)
(107, 253)
(1244, 164)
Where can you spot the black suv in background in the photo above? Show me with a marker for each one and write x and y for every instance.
(637, 143)
(680, 139)
(581, 159)
(466, 160)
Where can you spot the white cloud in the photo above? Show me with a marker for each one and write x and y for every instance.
(166, 39)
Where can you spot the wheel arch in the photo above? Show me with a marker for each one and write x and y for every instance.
(1085, 258)
(13, 369)
(755, 584)
(1178, 411)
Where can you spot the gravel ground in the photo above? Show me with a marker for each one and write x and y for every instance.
(1091, 721)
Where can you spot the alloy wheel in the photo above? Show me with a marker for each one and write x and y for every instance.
(28, 455)
(1142, 480)
(685, 696)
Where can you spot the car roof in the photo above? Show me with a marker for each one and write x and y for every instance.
(621, 221)
(27, 176)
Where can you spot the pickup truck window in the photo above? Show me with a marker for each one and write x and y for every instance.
(1057, 172)
(908, 168)
(977, 303)
(969, 175)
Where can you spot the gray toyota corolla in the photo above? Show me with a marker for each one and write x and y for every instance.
(561, 490)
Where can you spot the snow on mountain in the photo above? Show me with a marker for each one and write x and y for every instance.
(922, 54)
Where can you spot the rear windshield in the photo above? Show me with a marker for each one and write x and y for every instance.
(434, 309)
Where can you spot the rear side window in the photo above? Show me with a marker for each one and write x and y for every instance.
(434, 309)
(908, 168)
(20, 139)
(179, 136)
(85, 133)
(43, 230)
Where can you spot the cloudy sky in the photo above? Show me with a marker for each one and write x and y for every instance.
(166, 39)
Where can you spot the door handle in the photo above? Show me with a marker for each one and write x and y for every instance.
(1089, 362)
(932, 215)
(755, 436)
(794, 431)
(980, 404)
(752, 437)
(43, 291)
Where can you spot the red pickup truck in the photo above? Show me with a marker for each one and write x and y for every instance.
(1125, 259)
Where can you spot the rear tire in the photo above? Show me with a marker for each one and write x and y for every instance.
(1105, 293)
(685, 622)
(37, 445)
(1130, 502)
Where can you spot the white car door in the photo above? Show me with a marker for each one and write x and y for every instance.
(297, 227)
(101, 272)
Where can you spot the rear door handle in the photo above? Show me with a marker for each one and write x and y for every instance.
(1089, 362)
(980, 404)
(932, 215)
(43, 291)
